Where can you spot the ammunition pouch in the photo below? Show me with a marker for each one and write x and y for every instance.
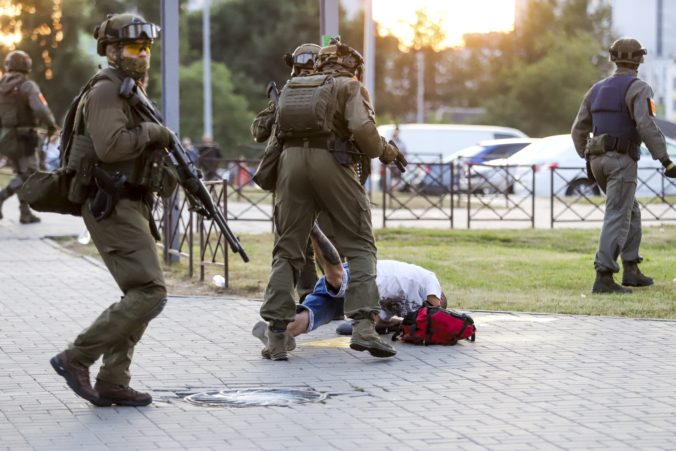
(598, 145)
(81, 162)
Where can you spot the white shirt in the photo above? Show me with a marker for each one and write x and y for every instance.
(403, 287)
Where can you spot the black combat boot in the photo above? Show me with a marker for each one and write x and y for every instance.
(633, 277)
(27, 216)
(604, 283)
(4, 195)
(122, 395)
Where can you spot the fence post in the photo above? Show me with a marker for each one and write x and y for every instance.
(224, 247)
(532, 196)
(469, 193)
(551, 198)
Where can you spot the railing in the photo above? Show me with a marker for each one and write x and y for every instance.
(574, 198)
(423, 191)
(499, 193)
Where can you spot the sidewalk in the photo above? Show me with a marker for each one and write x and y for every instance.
(528, 382)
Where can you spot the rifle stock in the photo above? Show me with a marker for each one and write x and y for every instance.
(198, 196)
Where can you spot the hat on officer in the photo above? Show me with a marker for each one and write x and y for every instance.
(123, 27)
(627, 50)
(343, 55)
(18, 61)
(303, 58)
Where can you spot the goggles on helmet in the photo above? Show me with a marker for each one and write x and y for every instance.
(145, 30)
(303, 58)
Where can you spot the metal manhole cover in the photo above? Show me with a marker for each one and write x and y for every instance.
(248, 397)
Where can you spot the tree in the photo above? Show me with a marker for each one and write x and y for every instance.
(231, 114)
(542, 98)
(49, 33)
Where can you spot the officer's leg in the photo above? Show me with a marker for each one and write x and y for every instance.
(620, 190)
(294, 215)
(344, 199)
(128, 250)
(14, 184)
(630, 251)
(117, 360)
(27, 166)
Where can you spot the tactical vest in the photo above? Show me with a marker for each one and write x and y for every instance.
(15, 110)
(79, 156)
(307, 106)
(610, 114)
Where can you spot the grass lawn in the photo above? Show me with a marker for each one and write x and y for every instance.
(520, 270)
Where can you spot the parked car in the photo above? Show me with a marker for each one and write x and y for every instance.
(515, 174)
(431, 143)
(437, 179)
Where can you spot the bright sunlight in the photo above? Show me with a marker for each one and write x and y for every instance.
(456, 17)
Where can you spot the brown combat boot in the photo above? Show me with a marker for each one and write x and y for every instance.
(365, 338)
(121, 395)
(76, 375)
(261, 331)
(605, 283)
(633, 277)
(27, 216)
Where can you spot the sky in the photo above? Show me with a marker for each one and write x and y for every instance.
(456, 17)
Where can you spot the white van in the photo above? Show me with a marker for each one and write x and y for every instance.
(434, 142)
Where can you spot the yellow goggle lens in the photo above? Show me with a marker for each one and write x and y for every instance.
(135, 48)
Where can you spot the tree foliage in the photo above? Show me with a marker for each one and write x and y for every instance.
(231, 114)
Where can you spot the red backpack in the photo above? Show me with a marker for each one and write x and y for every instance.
(435, 326)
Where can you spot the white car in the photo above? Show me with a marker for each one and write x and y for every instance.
(515, 174)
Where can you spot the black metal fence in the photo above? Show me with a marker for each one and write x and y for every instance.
(429, 191)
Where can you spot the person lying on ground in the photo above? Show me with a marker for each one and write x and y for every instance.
(403, 287)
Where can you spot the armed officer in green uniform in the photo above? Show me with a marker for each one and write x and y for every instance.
(321, 121)
(22, 106)
(620, 114)
(302, 62)
(118, 157)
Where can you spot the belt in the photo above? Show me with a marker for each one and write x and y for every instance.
(133, 192)
(313, 141)
(619, 145)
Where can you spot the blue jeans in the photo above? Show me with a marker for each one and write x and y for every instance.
(324, 304)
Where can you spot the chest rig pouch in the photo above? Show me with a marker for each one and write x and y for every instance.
(17, 136)
(306, 107)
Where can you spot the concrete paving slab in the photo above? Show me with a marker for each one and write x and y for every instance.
(528, 382)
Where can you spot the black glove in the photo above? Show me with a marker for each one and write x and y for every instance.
(669, 169)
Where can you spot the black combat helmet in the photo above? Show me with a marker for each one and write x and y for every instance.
(18, 61)
(627, 50)
(123, 27)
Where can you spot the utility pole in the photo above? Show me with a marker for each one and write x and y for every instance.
(370, 51)
(170, 111)
(328, 20)
(206, 81)
(420, 97)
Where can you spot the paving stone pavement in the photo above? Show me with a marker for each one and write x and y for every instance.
(528, 382)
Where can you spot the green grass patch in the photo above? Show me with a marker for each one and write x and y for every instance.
(549, 271)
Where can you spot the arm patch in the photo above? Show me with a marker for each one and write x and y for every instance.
(652, 110)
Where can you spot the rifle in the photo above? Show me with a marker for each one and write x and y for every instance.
(272, 92)
(189, 178)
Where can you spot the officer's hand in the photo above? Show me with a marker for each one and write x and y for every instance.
(159, 134)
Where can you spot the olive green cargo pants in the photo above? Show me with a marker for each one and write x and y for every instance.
(616, 175)
(128, 249)
(310, 181)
